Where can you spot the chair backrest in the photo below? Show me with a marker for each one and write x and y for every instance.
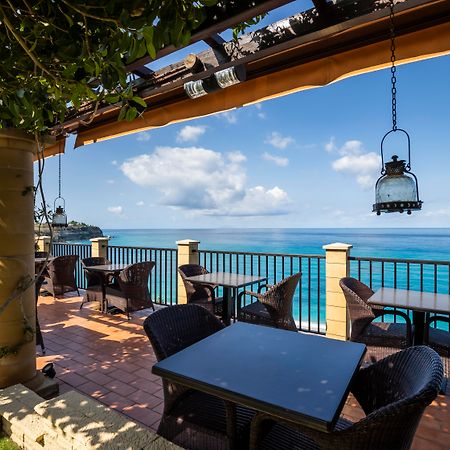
(278, 302)
(194, 291)
(359, 311)
(134, 281)
(174, 328)
(95, 261)
(394, 392)
(62, 270)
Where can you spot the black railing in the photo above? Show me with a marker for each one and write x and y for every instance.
(309, 297)
(414, 274)
(163, 278)
(82, 250)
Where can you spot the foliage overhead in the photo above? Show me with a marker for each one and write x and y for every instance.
(59, 54)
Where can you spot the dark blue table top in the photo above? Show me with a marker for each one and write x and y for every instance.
(295, 376)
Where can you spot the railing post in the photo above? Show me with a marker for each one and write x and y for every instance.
(43, 244)
(99, 246)
(187, 254)
(337, 267)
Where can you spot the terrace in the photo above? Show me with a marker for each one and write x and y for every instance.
(108, 359)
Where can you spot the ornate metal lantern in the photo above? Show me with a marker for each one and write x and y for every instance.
(59, 215)
(397, 189)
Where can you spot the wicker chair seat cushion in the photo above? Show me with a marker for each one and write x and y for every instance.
(440, 341)
(285, 437)
(115, 297)
(256, 309)
(385, 334)
(203, 411)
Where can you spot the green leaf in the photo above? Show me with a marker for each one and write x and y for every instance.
(139, 101)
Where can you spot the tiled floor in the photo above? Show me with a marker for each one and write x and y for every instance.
(110, 358)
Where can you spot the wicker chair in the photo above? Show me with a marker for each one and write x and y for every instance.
(132, 292)
(94, 281)
(393, 393)
(439, 340)
(60, 277)
(200, 294)
(274, 307)
(193, 419)
(381, 338)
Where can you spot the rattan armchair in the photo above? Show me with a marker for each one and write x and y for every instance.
(439, 340)
(393, 393)
(94, 280)
(381, 338)
(273, 307)
(200, 294)
(193, 419)
(60, 275)
(132, 292)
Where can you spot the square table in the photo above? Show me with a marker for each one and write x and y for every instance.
(228, 281)
(104, 270)
(417, 301)
(295, 376)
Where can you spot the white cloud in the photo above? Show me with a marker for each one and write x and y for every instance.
(190, 133)
(261, 114)
(442, 212)
(140, 203)
(229, 116)
(110, 181)
(236, 157)
(278, 160)
(115, 209)
(114, 162)
(330, 146)
(279, 141)
(355, 161)
(204, 181)
(143, 136)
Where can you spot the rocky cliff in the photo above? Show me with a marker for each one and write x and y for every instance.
(75, 231)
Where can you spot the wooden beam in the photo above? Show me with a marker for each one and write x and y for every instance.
(210, 28)
(217, 43)
(144, 72)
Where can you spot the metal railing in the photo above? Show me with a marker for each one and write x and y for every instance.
(82, 250)
(309, 297)
(414, 274)
(163, 278)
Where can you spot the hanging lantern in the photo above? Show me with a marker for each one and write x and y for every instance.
(59, 206)
(397, 189)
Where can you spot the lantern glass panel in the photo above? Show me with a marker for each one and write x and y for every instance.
(396, 188)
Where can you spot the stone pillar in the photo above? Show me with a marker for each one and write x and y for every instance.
(100, 246)
(187, 254)
(337, 267)
(43, 244)
(16, 254)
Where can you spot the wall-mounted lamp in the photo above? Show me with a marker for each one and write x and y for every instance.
(219, 80)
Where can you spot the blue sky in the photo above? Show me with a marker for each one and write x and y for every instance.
(305, 160)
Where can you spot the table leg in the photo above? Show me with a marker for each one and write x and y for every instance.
(419, 324)
(227, 307)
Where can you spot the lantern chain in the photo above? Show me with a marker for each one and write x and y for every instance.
(393, 68)
(59, 175)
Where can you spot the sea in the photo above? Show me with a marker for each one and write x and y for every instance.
(424, 244)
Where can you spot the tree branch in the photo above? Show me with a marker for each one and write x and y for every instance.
(92, 16)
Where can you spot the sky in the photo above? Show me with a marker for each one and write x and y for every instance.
(309, 159)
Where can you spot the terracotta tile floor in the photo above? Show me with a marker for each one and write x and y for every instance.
(110, 359)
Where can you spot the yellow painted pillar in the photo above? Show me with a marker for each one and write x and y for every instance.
(43, 244)
(187, 254)
(99, 246)
(337, 267)
(16, 254)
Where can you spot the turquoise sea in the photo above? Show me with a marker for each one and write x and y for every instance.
(423, 243)
(309, 300)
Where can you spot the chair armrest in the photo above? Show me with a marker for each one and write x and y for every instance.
(430, 321)
(262, 286)
(212, 293)
(405, 316)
